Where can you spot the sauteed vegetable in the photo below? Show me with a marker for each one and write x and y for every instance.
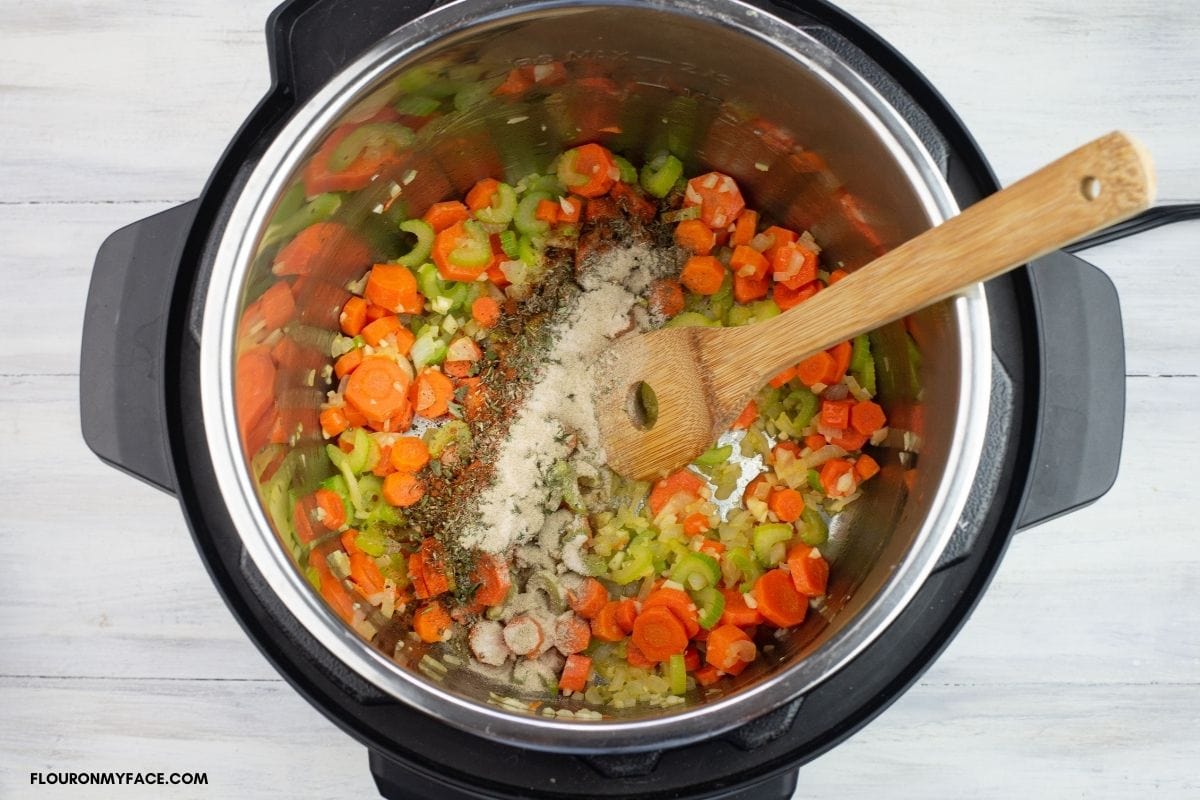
(595, 589)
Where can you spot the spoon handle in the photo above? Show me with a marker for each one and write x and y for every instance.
(1101, 183)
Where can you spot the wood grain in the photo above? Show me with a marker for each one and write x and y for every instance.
(1077, 675)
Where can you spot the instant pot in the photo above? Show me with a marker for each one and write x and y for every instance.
(1017, 419)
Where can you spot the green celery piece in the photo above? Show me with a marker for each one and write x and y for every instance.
(691, 319)
(372, 136)
(371, 542)
(423, 246)
(766, 537)
(509, 243)
(473, 251)
(417, 105)
(711, 604)
(319, 209)
(721, 302)
(502, 208)
(525, 220)
(291, 202)
(816, 531)
(749, 569)
(696, 570)
(629, 173)
(659, 175)
(739, 315)
(807, 405)
(677, 674)
(814, 481)
(714, 456)
(638, 563)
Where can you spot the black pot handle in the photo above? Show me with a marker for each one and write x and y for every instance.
(310, 40)
(121, 396)
(1083, 379)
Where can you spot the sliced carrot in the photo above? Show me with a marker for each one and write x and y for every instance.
(814, 441)
(666, 297)
(276, 305)
(332, 590)
(809, 571)
(445, 243)
(334, 509)
(320, 177)
(679, 604)
(402, 489)
(636, 658)
(626, 614)
(712, 547)
(492, 578)
(518, 81)
(756, 489)
(575, 673)
(380, 329)
(365, 573)
(394, 287)
(832, 472)
(779, 238)
(682, 482)
(787, 298)
(378, 388)
(333, 422)
(747, 417)
(326, 248)
(849, 440)
(431, 560)
(347, 363)
(707, 675)
(835, 413)
(866, 467)
(302, 519)
(481, 194)
(431, 622)
(634, 202)
(659, 634)
(746, 262)
(695, 524)
(778, 601)
(737, 611)
(354, 316)
(588, 599)
(691, 659)
(744, 228)
(703, 274)
(841, 362)
(718, 196)
(485, 311)
(729, 645)
(813, 369)
(375, 312)
(786, 503)
(783, 377)
(547, 211)
(695, 237)
(595, 165)
(572, 634)
(746, 290)
(441, 216)
(409, 454)
(837, 275)
(383, 467)
(432, 393)
(254, 387)
(605, 626)
(867, 417)
(794, 265)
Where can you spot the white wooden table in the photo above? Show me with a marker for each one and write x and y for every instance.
(1079, 675)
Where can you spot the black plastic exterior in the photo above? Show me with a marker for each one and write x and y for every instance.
(124, 345)
(413, 755)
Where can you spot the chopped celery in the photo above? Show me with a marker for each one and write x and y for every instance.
(428, 349)
(319, 209)
(337, 485)
(714, 456)
(529, 252)
(720, 303)
(677, 674)
(768, 539)
(816, 531)
(696, 570)
(455, 430)
(342, 462)
(313, 576)
(747, 568)
(691, 319)
(525, 220)
(291, 202)
(508, 243)
(637, 564)
(629, 173)
(371, 542)
(372, 136)
(417, 105)
(814, 481)
(765, 309)
(472, 95)
(365, 447)
(420, 251)
(502, 208)
(739, 315)
(711, 604)
(805, 407)
(540, 183)
(562, 477)
(660, 174)
(473, 251)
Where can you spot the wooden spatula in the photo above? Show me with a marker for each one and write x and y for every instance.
(702, 378)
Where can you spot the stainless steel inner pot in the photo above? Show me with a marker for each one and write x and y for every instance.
(722, 85)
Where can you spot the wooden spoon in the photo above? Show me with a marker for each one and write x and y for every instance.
(703, 378)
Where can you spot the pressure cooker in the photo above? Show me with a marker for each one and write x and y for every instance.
(826, 128)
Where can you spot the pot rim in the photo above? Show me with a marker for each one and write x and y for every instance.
(235, 251)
